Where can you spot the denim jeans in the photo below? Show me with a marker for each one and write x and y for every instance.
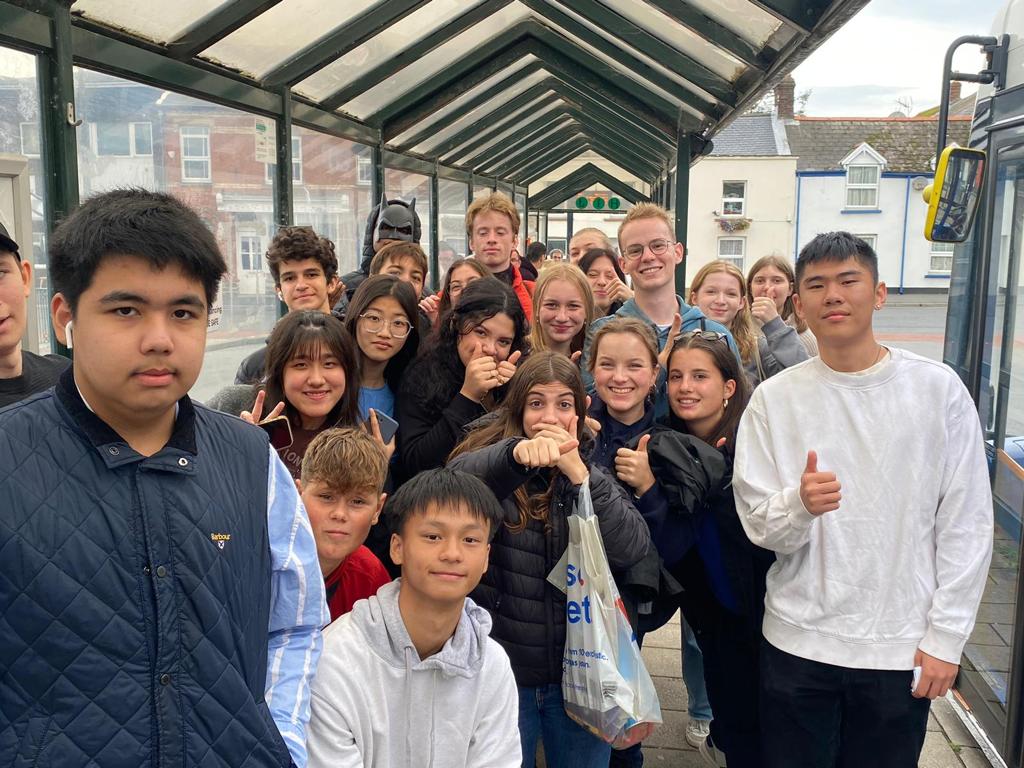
(697, 704)
(566, 744)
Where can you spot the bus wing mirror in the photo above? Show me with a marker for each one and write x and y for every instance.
(954, 195)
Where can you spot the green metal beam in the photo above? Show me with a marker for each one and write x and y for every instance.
(140, 64)
(475, 66)
(681, 197)
(713, 32)
(20, 26)
(556, 155)
(528, 135)
(472, 104)
(541, 169)
(317, 119)
(502, 123)
(634, 37)
(216, 25)
(802, 15)
(412, 53)
(638, 165)
(408, 163)
(283, 183)
(527, 37)
(518, 160)
(486, 123)
(345, 38)
(435, 220)
(582, 58)
(633, 124)
(582, 178)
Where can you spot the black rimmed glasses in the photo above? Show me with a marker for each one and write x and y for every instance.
(658, 247)
(400, 328)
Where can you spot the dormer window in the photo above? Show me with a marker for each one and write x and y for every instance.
(862, 186)
(863, 168)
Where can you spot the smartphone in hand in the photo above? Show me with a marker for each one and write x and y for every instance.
(279, 430)
(388, 426)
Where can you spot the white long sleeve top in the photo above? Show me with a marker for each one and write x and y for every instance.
(902, 563)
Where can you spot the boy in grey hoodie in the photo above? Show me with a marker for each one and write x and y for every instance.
(411, 677)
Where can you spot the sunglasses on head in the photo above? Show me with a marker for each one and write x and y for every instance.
(700, 333)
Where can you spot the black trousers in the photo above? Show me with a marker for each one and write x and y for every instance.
(816, 715)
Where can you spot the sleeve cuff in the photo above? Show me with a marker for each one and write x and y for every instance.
(798, 515)
(943, 645)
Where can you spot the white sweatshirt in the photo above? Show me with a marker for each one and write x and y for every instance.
(375, 704)
(902, 563)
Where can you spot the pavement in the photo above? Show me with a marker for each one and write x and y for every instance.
(948, 743)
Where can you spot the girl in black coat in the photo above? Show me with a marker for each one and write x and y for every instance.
(723, 575)
(461, 374)
(529, 454)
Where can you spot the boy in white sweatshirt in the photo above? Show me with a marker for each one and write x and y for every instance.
(410, 677)
(864, 470)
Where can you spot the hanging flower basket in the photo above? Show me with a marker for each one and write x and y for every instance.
(733, 224)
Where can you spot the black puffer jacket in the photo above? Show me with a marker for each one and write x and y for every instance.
(528, 612)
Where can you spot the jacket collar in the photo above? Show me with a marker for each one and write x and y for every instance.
(113, 448)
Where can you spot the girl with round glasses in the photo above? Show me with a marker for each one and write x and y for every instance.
(382, 319)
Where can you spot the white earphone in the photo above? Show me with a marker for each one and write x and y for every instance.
(67, 333)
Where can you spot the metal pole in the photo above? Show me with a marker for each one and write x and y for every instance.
(58, 122)
(435, 219)
(682, 199)
(377, 187)
(284, 211)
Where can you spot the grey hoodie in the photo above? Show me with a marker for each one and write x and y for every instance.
(376, 703)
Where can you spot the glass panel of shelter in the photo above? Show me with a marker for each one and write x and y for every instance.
(440, 117)
(451, 220)
(406, 184)
(173, 18)
(281, 32)
(20, 135)
(381, 47)
(435, 62)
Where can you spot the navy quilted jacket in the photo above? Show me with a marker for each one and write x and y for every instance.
(134, 591)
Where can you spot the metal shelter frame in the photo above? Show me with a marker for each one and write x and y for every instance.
(647, 97)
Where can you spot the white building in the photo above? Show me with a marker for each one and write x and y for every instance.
(865, 176)
(742, 195)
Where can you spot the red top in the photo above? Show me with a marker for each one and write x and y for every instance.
(359, 576)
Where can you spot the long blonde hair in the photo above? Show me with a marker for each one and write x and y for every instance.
(742, 325)
(573, 275)
(538, 369)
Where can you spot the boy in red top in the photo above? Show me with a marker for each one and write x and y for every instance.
(343, 472)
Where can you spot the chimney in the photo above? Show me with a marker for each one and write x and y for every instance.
(954, 91)
(784, 98)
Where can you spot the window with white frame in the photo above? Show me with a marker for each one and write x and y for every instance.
(142, 139)
(296, 162)
(365, 169)
(195, 153)
(250, 253)
(941, 258)
(862, 186)
(732, 249)
(123, 139)
(870, 240)
(30, 139)
(734, 198)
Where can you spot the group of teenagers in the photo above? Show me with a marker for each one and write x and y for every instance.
(182, 587)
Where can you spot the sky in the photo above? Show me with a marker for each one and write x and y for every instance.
(892, 51)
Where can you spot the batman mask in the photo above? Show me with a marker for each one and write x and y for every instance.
(397, 220)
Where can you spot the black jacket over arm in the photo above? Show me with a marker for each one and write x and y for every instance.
(528, 612)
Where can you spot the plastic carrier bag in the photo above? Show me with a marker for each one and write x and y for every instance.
(605, 684)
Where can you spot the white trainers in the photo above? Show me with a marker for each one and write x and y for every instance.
(697, 731)
(710, 754)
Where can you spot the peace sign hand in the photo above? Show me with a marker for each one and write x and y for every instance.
(253, 416)
(666, 352)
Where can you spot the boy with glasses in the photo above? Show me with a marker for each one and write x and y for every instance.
(649, 256)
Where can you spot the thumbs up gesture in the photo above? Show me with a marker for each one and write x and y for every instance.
(819, 491)
(633, 467)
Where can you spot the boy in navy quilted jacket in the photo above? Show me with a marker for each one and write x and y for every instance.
(161, 598)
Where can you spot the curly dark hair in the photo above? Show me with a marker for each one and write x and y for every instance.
(297, 244)
(437, 374)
